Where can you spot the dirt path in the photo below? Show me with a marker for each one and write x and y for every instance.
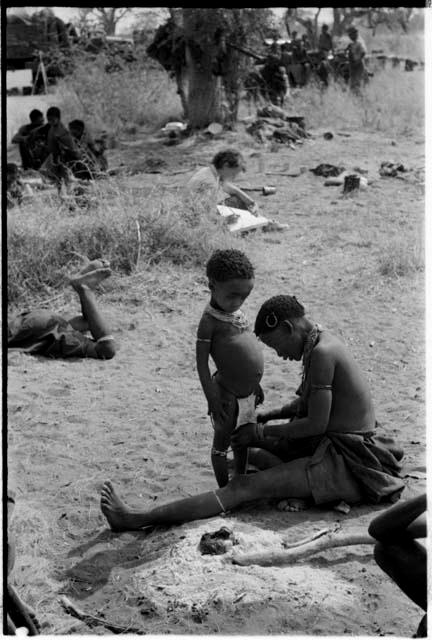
(140, 420)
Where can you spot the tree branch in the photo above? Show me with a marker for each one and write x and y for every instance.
(303, 550)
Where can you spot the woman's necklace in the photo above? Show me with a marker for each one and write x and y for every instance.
(310, 342)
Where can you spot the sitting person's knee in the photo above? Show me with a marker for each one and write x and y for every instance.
(386, 555)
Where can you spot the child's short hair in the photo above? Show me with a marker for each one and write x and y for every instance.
(275, 310)
(76, 125)
(227, 264)
(35, 115)
(230, 157)
(53, 112)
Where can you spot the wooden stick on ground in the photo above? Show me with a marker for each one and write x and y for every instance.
(315, 536)
(91, 620)
(303, 550)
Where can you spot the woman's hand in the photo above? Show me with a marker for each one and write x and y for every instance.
(247, 434)
(262, 418)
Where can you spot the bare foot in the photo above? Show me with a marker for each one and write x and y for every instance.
(91, 279)
(92, 265)
(293, 504)
(120, 517)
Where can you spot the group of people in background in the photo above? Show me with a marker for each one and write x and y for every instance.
(58, 152)
(296, 57)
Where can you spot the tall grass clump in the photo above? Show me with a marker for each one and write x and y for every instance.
(140, 95)
(392, 102)
(129, 227)
(400, 257)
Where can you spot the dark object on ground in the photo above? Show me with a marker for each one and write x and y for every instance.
(328, 135)
(391, 169)
(286, 129)
(216, 543)
(327, 170)
(351, 183)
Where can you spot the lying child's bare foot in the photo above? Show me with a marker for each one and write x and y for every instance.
(293, 504)
(91, 279)
(92, 265)
(120, 517)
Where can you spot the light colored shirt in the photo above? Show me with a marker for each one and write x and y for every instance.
(206, 181)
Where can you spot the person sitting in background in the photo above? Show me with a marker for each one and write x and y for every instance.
(216, 181)
(25, 140)
(42, 332)
(93, 160)
(62, 151)
(398, 553)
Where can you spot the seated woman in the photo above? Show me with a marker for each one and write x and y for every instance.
(216, 179)
(327, 452)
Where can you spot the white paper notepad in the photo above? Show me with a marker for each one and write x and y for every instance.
(246, 220)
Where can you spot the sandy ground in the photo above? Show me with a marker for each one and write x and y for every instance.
(140, 420)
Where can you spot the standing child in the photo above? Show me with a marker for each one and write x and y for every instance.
(223, 333)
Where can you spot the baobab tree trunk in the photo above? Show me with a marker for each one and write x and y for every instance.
(204, 92)
(204, 88)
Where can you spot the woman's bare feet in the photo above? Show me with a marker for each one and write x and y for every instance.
(120, 517)
(91, 279)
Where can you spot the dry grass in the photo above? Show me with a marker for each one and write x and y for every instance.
(400, 257)
(131, 228)
(115, 101)
(396, 43)
(392, 103)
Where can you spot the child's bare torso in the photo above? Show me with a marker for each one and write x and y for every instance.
(238, 357)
